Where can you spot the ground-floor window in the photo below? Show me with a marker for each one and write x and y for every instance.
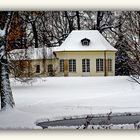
(37, 68)
(110, 65)
(62, 65)
(99, 65)
(72, 65)
(85, 65)
(50, 70)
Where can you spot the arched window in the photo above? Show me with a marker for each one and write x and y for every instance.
(50, 70)
(99, 65)
(72, 65)
(85, 65)
(62, 65)
(37, 68)
(110, 65)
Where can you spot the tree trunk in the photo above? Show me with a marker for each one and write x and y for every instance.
(5, 88)
(78, 20)
(35, 34)
(70, 21)
(99, 19)
(7, 100)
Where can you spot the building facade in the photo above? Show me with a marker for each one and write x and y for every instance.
(83, 53)
(86, 64)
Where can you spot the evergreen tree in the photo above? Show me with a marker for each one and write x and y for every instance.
(122, 59)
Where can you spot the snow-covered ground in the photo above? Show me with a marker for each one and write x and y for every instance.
(56, 97)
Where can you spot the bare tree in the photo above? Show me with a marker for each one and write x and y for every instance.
(32, 18)
(133, 37)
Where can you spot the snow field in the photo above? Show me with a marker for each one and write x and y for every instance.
(54, 97)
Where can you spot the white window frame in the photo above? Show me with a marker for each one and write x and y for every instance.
(61, 62)
(110, 65)
(85, 65)
(72, 65)
(99, 65)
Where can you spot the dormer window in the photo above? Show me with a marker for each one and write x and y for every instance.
(85, 42)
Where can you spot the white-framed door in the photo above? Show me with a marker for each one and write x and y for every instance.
(85, 67)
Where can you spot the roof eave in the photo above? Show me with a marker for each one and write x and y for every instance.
(86, 51)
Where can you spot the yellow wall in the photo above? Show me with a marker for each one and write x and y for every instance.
(43, 66)
(86, 55)
(31, 70)
(72, 55)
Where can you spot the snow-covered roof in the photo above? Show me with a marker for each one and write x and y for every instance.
(97, 42)
(72, 43)
(31, 53)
